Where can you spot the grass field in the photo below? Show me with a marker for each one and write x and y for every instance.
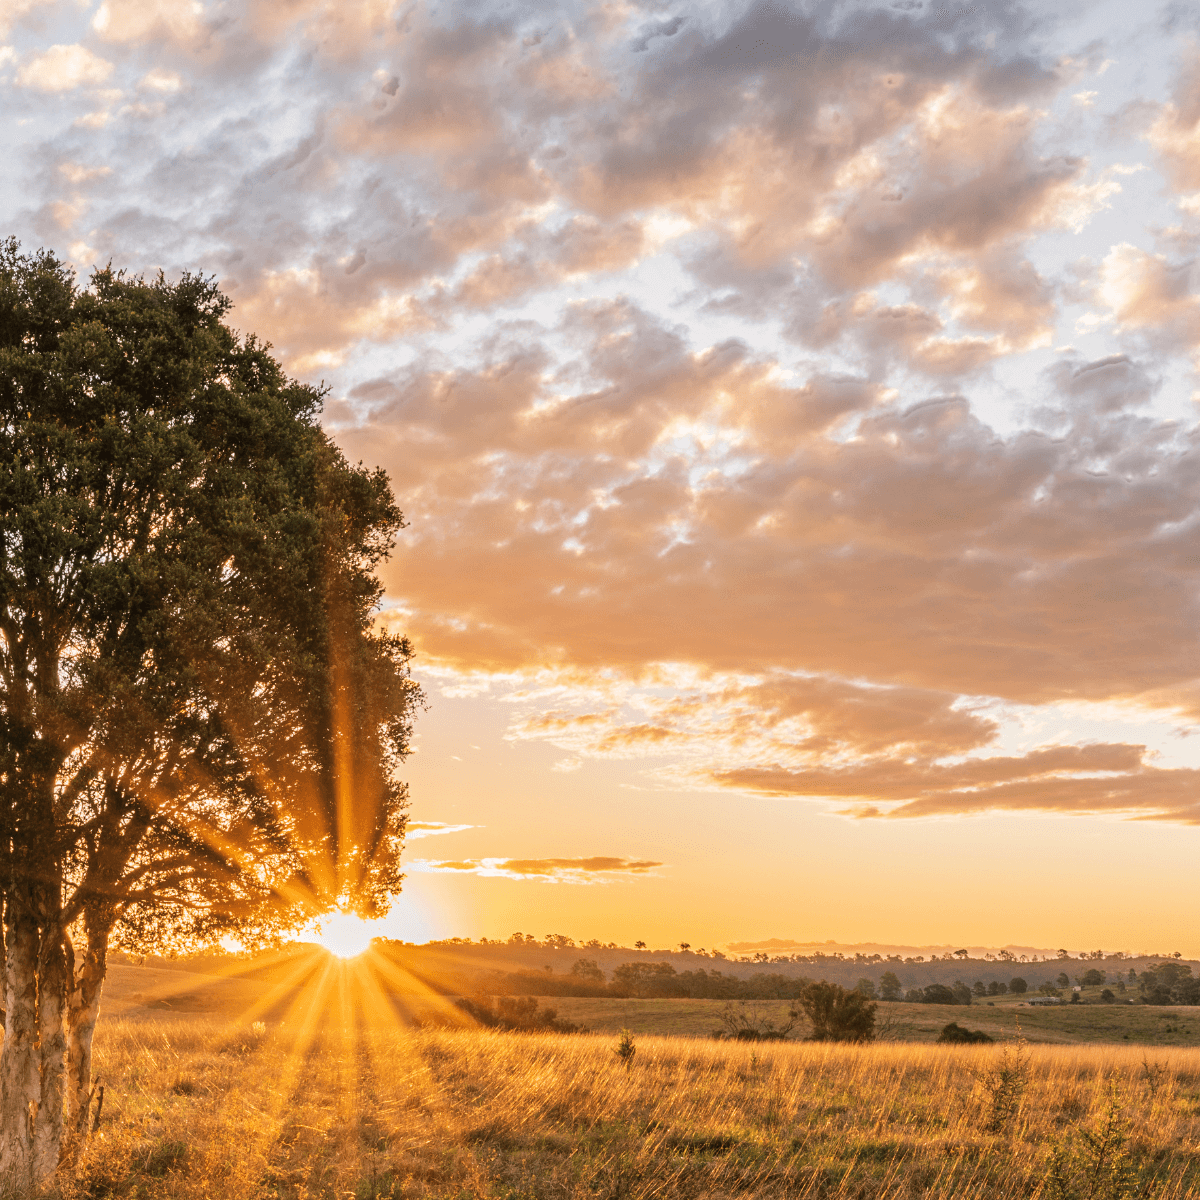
(1137, 1024)
(161, 994)
(196, 1108)
(242, 1089)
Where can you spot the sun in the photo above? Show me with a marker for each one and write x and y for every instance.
(345, 934)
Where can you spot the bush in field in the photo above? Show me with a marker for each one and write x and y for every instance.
(955, 1035)
(889, 986)
(625, 1049)
(838, 1015)
(1018, 986)
(749, 1023)
(516, 1013)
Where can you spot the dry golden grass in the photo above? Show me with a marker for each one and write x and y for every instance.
(213, 1110)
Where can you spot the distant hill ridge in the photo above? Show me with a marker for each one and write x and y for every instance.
(558, 967)
(886, 949)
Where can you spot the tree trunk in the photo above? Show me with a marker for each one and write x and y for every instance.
(53, 976)
(84, 1008)
(20, 1080)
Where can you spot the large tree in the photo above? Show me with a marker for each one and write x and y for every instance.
(199, 729)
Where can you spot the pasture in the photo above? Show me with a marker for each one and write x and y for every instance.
(324, 1106)
(1067, 1024)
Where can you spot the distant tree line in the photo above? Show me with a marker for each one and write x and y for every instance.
(643, 981)
(1169, 981)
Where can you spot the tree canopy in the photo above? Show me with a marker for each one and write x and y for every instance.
(199, 728)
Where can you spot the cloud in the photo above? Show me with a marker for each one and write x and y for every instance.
(704, 355)
(1146, 293)
(1092, 779)
(422, 829)
(603, 497)
(1175, 131)
(139, 21)
(476, 157)
(556, 870)
(62, 68)
(11, 12)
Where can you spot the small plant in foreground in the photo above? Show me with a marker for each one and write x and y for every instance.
(1154, 1073)
(1098, 1166)
(625, 1049)
(1006, 1083)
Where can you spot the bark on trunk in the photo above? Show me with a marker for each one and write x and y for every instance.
(20, 1081)
(53, 976)
(83, 1010)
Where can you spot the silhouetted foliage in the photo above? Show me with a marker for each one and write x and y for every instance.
(955, 1035)
(1169, 983)
(742, 1023)
(515, 1013)
(838, 1015)
(938, 993)
(190, 682)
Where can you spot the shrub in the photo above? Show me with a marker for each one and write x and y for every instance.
(625, 1049)
(955, 1035)
(1018, 986)
(838, 1015)
(751, 1024)
(1098, 1163)
(515, 1013)
(1006, 1084)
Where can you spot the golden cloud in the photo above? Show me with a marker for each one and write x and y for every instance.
(556, 870)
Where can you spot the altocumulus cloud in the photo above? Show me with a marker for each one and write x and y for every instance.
(423, 829)
(877, 466)
(558, 870)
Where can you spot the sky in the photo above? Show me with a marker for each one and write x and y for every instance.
(793, 407)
